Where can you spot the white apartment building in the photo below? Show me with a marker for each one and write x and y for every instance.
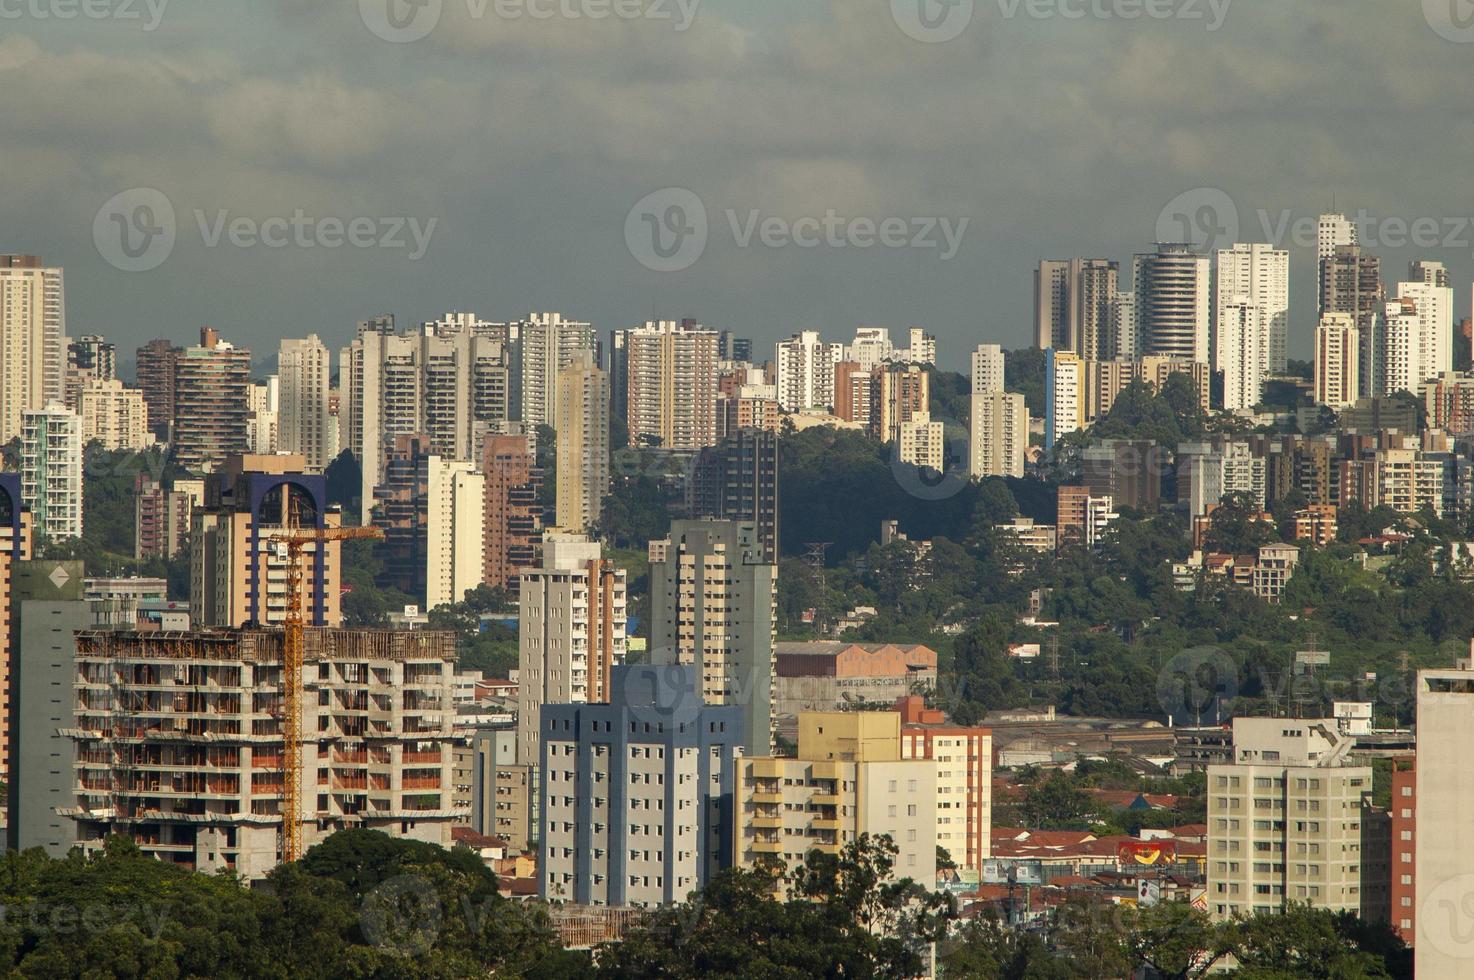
(51, 470)
(1257, 275)
(1337, 360)
(1173, 302)
(805, 366)
(1242, 334)
(571, 632)
(1124, 328)
(923, 442)
(304, 420)
(113, 415)
(1417, 337)
(455, 502)
(923, 349)
(872, 348)
(32, 339)
(1285, 820)
(1065, 390)
(999, 434)
(988, 369)
(1429, 273)
(548, 344)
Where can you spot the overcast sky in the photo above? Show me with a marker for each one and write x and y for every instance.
(528, 141)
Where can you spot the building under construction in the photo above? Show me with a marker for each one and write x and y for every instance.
(180, 740)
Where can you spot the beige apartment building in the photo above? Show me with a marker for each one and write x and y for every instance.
(848, 779)
(113, 415)
(32, 339)
(1285, 822)
(179, 741)
(1443, 811)
(672, 385)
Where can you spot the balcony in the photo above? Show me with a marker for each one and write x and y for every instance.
(767, 823)
(769, 798)
(766, 847)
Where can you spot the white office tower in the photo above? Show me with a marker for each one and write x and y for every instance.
(455, 506)
(51, 470)
(304, 418)
(1173, 302)
(1242, 334)
(872, 348)
(33, 349)
(988, 368)
(1416, 342)
(1064, 380)
(1124, 330)
(1429, 272)
(549, 344)
(1259, 274)
(999, 434)
(570, 632)
(805, 367)
(1337, 364)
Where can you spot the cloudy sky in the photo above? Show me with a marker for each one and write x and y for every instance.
(300, 145)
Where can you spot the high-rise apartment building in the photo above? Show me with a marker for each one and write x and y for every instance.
(637, 794)
(451, 386)
(712, 599)
(964, 759)
(999, 434)
(263, 416)
(1285, 821)
(583, 446)
(1072, 306)
(1084, 517)
(547, 346)
(922, 442)
(1255, 276)
(987, 369)
(400, 511)
(89, 358)
(1064, 395)
(1173, 302)
(1333, 233)
(155, 369)
(211, 403)
(1337, 360)
(238, 575)
(849, 778)
(805, 366)
(1443, 813)
(923, 349)
(1430, 273)
(51, 471)
(179, 742)
(1351, 282)
(570, 633)
(455, 515)
(1416, 342)
(113, 415)
(15, 547)
(899, 394)
(32, 339)
(513, 520)
(305, 423)
(1125, 330)
(738, 481)
(672, 385)
(162, 515)
(872, 347)
(1243, 330)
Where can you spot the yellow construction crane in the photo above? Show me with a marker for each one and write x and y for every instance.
(291, 543)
